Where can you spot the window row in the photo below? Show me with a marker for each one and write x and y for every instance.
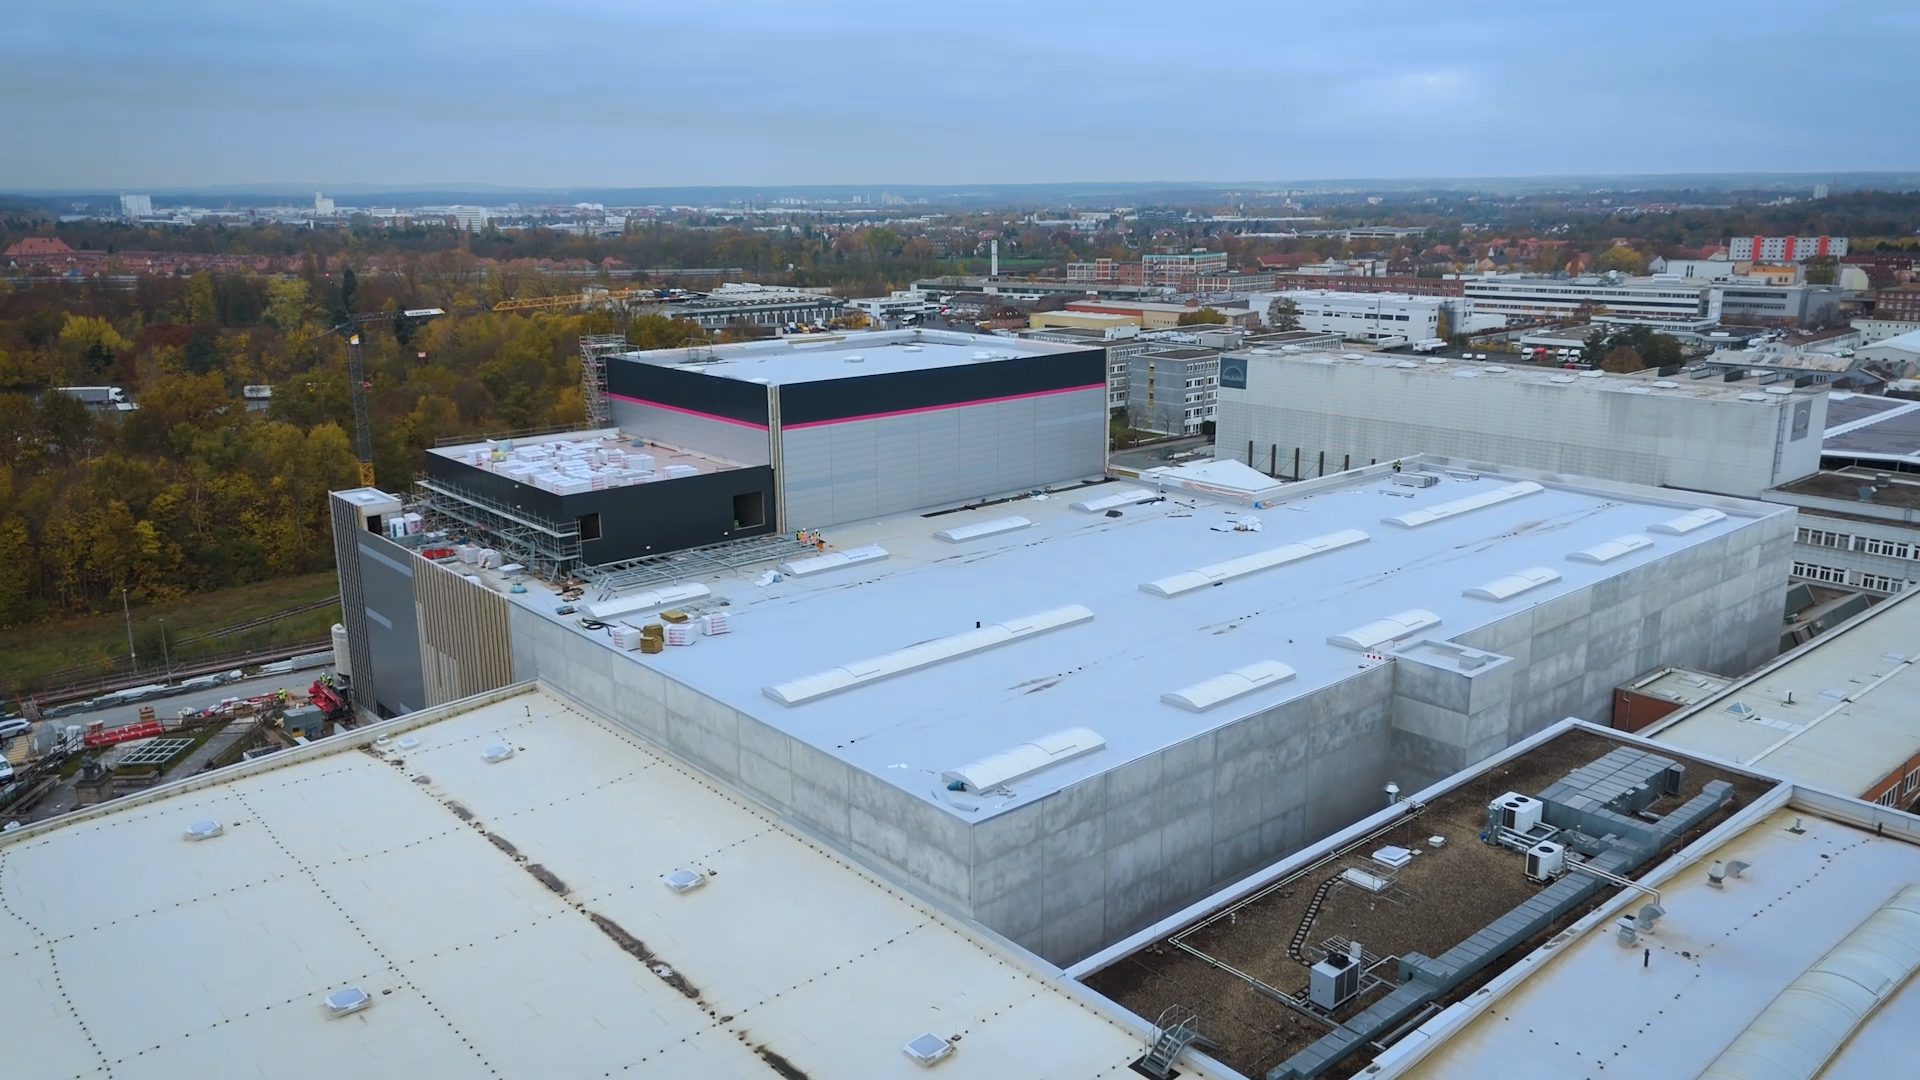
(1834, 575)
(1869, 545)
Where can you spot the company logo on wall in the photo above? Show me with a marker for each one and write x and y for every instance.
(1233, 373)
(1802, 419)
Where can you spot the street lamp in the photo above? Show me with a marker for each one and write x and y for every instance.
(133, 657)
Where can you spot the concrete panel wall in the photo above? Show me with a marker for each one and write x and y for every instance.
(851, 470)
(1381, 413)
(741, 443)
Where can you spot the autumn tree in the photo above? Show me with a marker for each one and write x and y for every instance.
(1206, 316)
(1283, 314)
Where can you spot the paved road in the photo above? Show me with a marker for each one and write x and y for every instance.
(164, 707)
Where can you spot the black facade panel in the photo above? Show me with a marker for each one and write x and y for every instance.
(905, 391)
(688, 389)
(636, 520)
(393, 631)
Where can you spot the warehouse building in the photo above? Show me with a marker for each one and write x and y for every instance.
(1069, 723)
(508, 887)
(1705, 434)
(1583, 905)
(1835, 713)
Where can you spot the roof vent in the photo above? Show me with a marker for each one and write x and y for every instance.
(1561, 379)
(1498, 368)
(685, 881)
(1664, 384)
(408, 742)
(1351, 356)
(1384, 631)
(1686, 523)
(1402, 364)
(1436, 359)
(1413, 519)
(909, 348)
(347, 999)
(1247, 564)
(927, 1049)
(924, 654)
(1118, 497)
(1024, 760)
(978, 529)
(495, 753)
(1612, 549)
(1780, 390)
(853, 358)
(1593, 374)
(1202, 696)
(1512, 585)
(205, 829)
(834, 561)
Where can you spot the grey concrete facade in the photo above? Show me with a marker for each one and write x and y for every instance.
(1074, 871)
(851, 470)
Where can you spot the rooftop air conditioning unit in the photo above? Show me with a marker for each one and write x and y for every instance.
(1334, 981)
(1545, 861)
(1517, 812)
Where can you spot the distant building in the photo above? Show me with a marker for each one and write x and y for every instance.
(1785, 248)
(257, 397)
(757, 305)
(1171, 389)
(470, 218)
(1364, 316)
(1183, 270)
(38, 247)
(322, 206)
(136, 206)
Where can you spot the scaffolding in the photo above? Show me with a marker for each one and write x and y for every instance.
(549, 549)
(613, 578)
(594, 350)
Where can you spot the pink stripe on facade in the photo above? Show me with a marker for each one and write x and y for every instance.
(951, 405)
(689, 412)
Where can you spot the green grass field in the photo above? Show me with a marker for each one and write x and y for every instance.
(30, 655)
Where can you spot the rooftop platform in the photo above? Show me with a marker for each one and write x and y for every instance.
(783, 362)
(1899, 491)
(1274, 927)
(911, 654)
(1836, 713)
(605, 457)
(508, 919)
(1718, 973)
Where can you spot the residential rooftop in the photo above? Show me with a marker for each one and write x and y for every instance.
(507, 919)
(1449, 887)
(783, 361)
(1836, 713)
(1731, 976)
(879, 654)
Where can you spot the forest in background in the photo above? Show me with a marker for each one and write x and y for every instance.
(193, 491)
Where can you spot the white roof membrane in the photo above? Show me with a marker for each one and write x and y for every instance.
(1125, 496)
(834, 560)
(644, 601)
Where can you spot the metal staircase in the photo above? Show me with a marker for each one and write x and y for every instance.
(594, 350)
(1177, 1029)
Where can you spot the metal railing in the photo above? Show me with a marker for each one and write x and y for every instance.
(613, 578)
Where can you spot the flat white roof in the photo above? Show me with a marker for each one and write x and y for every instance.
(781, 361)
(1648, 382)
(1712, 964)
(1109, 672)
(128, 951)
(1837, 713)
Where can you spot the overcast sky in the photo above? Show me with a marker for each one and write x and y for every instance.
(580, 93)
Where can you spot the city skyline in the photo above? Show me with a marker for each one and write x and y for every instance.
(426, 93)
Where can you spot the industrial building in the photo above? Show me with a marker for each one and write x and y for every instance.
(1081, 709)
(1375, 317)
(1171, 388)
(1858, 527)
(747, 303)
(1661, 298)
(511, 887)
(1706, 434)
(1836, 713)
(1585, 904)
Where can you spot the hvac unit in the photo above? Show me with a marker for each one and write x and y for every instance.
(1415, 479)
(1517, 812)
(1546, 861)
(1333, 981)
